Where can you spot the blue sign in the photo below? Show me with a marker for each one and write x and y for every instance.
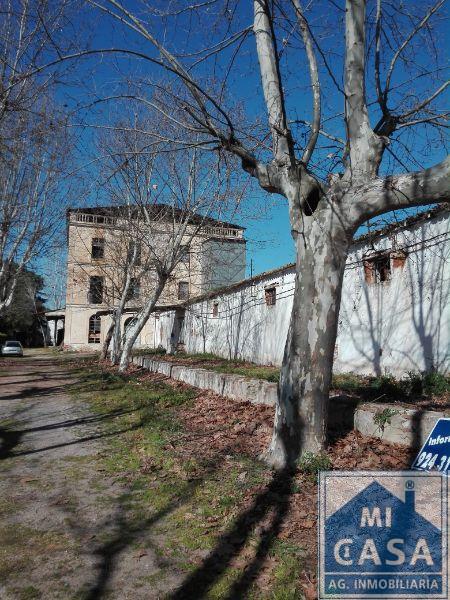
(383, 535)
(435, 453)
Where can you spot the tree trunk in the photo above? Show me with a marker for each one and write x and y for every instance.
(301, 411)
(136, 328)
(117, 340)
(109, 334)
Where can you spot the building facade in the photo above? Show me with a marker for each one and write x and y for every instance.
(394, 317)
(99, 240)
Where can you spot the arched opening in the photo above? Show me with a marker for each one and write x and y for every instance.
(95, 326)
(128, 323)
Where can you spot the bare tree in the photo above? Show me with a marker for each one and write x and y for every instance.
(32, 35)
(189, 191)
(325, 212)
(33, 194)
(161, 198)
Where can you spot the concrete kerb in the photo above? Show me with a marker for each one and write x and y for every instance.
(405, 426)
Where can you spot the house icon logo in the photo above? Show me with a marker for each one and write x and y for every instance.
(383, 535)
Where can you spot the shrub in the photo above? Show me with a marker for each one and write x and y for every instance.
(435, 384)
(388, 386)
(311, 463)
(347, 381)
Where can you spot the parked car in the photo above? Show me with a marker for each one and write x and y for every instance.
(12, 348)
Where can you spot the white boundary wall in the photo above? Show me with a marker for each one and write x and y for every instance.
(392, 327)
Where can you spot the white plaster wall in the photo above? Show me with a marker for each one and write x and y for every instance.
(394, 327)
(404, 324)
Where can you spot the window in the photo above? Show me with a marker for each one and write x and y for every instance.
(132, 248)
(183, 290)
(129, 323)
(185, 258)
(377, 269)
(98, 248)
(95, 326)
(215, 310)
(95, 295)
(270, 296)
(134, 290)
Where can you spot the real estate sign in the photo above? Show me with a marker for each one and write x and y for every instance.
(383, 535)
(435, 453)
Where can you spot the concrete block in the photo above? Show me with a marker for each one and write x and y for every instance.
(408, 426)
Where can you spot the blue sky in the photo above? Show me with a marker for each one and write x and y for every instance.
(265, 216)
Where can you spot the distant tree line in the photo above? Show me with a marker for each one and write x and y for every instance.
(24, 318)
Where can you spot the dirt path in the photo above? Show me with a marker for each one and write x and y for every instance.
(63, 527)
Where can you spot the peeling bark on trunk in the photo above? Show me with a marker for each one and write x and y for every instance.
(107, 342)
(300, 419)
(117, 341)
(141, 320)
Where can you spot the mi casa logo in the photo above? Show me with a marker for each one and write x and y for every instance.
(383, 535)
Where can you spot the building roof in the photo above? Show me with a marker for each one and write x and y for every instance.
(388, 229)
(158, 211)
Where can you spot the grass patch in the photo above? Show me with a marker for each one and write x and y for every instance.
(22, 547)
(413, 386)
(312, 464)
(185, 501)
(219, 364)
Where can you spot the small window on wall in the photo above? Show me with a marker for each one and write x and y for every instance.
(95, 325)
(215, 309)
(98, 248)
(270, 295)
(377, 269)
(183, 290)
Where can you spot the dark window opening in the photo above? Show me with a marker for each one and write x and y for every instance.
(183, 290)
(270, 296)
(98, 248)
(215, 310)
(134, 291)
(134, 247)
(95, 326)
(377, 269)
(95, 295)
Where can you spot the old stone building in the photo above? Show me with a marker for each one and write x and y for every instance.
(98, 242)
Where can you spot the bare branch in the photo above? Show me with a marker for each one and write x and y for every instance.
(402, 191)
(315, 84)
(407, 40)
(270, 77)
(364, 147)
(423, 104)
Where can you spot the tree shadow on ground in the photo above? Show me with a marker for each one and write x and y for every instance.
(11, 438)
(265, 515)
(274, 499)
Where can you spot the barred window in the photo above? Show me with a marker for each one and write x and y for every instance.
(95, 326)
(270, 296)
(377, 269)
